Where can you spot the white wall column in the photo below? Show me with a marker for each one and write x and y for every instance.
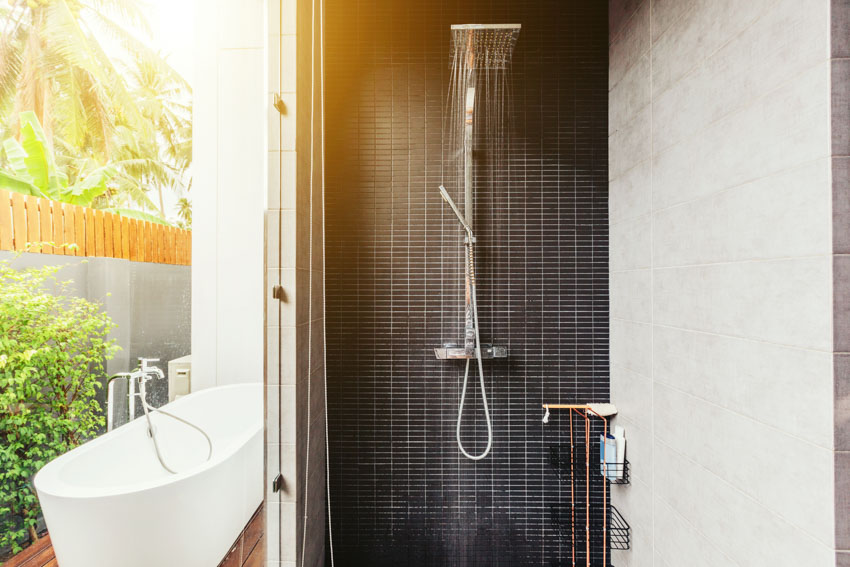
(229, 192)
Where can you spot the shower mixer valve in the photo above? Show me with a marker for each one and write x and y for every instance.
(468, 350)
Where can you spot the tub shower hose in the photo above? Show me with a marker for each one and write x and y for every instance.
(148, 409)
(474, 300)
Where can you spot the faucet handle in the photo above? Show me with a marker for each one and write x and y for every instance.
(146, 368)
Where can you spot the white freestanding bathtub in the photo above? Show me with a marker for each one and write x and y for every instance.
(109, 503)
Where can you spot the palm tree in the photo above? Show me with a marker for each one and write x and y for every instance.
(184, 212)
(96, 110)
(164, 99)
(51, 63)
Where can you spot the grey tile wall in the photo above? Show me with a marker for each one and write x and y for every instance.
(723, 282)
(400, 491)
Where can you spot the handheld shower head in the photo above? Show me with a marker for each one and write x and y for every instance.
(447, 198)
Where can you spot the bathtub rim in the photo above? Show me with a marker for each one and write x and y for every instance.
(48, 480)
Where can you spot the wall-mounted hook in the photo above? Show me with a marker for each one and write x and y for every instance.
(279, 104)
(279, 293)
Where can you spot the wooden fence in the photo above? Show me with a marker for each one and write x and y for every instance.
(24, 218)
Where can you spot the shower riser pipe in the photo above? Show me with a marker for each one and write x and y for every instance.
(468, 206)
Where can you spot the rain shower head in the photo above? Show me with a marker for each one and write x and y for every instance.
(485, 46)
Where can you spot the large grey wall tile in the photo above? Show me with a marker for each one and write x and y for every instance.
(631, 295)
(630, 194)
(632, 393)
(631, 244)
(619, 14)
(634, 502)
(743, 146)
(782, 301)
(667, 12)
(753, 457)
(678, 542)
(780, 45)
(779, 216)
(639, 451)
(766, 381)
(701, 31)
(629, 145)
(731, 516)
(630, 96)
(631, 346)
(627, 48)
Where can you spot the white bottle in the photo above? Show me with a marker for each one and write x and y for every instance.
(607, 456)
(620, 443)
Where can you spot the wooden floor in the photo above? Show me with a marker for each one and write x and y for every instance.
(39, 554)
(248, 551)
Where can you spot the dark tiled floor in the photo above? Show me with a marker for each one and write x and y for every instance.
(248, 551)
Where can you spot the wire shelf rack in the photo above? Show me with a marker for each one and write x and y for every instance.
(585, 520)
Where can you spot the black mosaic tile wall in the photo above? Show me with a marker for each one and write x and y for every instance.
(401, 492)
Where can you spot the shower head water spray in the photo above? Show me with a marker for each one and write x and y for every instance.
(485, 46)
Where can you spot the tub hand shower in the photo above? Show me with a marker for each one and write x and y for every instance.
(142, 376)
(148, 409)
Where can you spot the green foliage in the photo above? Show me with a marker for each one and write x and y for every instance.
(53, 347)
(137, 215)
(33, 169)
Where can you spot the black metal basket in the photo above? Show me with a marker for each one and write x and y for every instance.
(559, 460)
(618, 473)
(571, 526)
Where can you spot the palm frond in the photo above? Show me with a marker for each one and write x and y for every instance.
(131, 11)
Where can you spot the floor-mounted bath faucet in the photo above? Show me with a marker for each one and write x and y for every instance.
(143, 372)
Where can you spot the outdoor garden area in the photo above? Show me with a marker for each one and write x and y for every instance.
(95, 226)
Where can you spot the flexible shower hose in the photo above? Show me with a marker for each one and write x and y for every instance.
(470, 257)
(147, 408)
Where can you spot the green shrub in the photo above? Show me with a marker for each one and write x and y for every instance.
(53, 347)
